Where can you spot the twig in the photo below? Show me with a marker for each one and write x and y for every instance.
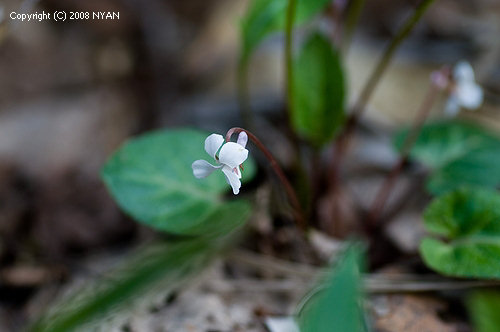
(370, 286)
(373, 283)
(268, 263)
(393, 286)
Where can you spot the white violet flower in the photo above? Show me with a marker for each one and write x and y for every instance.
(229, 158)
(465, 92)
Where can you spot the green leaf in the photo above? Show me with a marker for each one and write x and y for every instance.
(467, 224)
(151, 179)
(264, 17)
(318, 91)
(484, 307)
(338, 307)
(479, 168)
(440, 143)
(161, 267)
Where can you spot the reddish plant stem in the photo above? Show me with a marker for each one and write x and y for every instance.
(342, 142)
(388, 185)
(292, 196)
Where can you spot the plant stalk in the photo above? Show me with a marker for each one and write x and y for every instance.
(366, 93)
(388, 185)
(292, 196)
(243, 94)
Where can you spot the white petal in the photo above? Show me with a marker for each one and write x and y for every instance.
(213, 143)
(232, 179)
(463, 72)
(452, 106)
(237, 171)
(470, 95)
(232, 154)
(202, 168)
(242, 139)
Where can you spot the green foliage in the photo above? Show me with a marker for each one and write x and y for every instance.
(478, 168)
(484, 308)
(338, 307)
(158, 268)
(458, 154)
(467, 222)
(318, 90)
(442, 142)
(151, 179)
(264, 17)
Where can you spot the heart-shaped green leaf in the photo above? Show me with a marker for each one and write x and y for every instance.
(467, 222)
(318, 91)
(479, 168)
(337, 307)
(151, 179)
(267, 16)
(440, 143)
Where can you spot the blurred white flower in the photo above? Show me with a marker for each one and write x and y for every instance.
(229, 158)
(465, 92)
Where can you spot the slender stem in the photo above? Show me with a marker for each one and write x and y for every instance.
(292, 196)
(388, 185)
(290, 16)
(353, 14)
(371, 84)
(243, 94)
(387, 56)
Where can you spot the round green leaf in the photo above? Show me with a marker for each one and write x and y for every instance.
(442, 142)
(151, 179)
(479, 168)
(467, 222)
(475, 258)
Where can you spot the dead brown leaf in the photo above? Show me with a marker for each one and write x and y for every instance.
(409, 313)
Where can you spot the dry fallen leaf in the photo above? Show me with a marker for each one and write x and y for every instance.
(409, 313)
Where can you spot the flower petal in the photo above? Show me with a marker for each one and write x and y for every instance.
(452, 106)
(213, 143)
(232, 154)
(463, 72)
(470, 95)
(232, 179)
(237, 171)
(242, 139)
(202, 168)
